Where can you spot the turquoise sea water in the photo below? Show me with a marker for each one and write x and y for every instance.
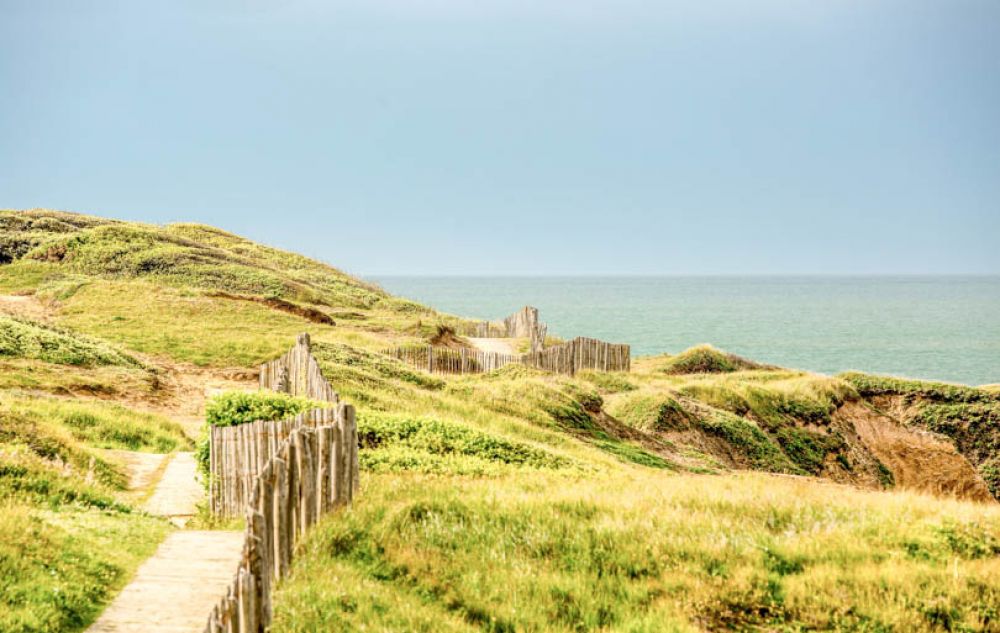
(943, 328)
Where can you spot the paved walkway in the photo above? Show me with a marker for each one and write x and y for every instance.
(178, 493)
(174, 591)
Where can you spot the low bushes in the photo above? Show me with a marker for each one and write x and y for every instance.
(25, 339)
(233, 408)
(705, 359)
(399, 442)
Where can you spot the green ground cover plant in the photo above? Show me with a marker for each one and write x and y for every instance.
(20, 338)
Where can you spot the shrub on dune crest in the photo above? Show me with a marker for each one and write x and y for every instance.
(705, 359)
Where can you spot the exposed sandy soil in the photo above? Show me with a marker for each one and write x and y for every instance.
(185, 388)
(499, 345)
(24, 306)
(918, 460)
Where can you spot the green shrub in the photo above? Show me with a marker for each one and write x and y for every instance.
(233, 408)
(705, 359)
(648, 411)
(749, 441)
(398, 442)
(25, 339)
(808, 449)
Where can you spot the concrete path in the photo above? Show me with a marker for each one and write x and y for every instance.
(178, 493)
(142, 468)
(174, 591)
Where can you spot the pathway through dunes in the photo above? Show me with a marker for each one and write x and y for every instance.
(497, 345)
(175, 590)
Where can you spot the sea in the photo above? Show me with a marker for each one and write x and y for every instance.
(943, 328)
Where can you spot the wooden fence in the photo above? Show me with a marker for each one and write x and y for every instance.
(579, 354)
(522, 324)
(570, 357)
(297, 372)
(308, 475)
(443, 360)
(239, 453)
(284, 476)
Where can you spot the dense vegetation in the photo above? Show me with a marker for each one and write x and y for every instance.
(20, 338)
(516, 500)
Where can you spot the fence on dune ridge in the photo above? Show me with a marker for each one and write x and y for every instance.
(444, 360)
(522, 324)
(570, 357)
(581, 354)
(284, 475)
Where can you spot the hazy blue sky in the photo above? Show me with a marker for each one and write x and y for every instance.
(525, 137)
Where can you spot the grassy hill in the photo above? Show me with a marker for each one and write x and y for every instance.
(516, 500)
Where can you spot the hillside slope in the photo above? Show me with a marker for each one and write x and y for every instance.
(602, 500)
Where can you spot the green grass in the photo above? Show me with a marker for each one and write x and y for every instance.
(872, 385)
(105, 381)
(100, 424)
(58, 568)
(68, 538)
(643, 552)
(393, 442)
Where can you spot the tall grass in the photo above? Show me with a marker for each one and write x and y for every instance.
(640, 551)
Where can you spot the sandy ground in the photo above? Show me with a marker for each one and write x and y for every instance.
(24, 306)
(499, 345)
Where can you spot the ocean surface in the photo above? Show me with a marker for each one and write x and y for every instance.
(941, 328)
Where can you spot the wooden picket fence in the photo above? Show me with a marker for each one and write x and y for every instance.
(239, 454)
(570, 357)
(309, 475)
(581, 354)
(284, 476)
(522, 324)
(443, 360)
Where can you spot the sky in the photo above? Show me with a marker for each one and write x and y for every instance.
(448, 137)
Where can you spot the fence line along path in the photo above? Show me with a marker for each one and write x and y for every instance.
(174, 589)
(570, 357)
(522, 324)
(284, 476)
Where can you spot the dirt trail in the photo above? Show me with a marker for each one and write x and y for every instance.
(143, 469)
(499, 345)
